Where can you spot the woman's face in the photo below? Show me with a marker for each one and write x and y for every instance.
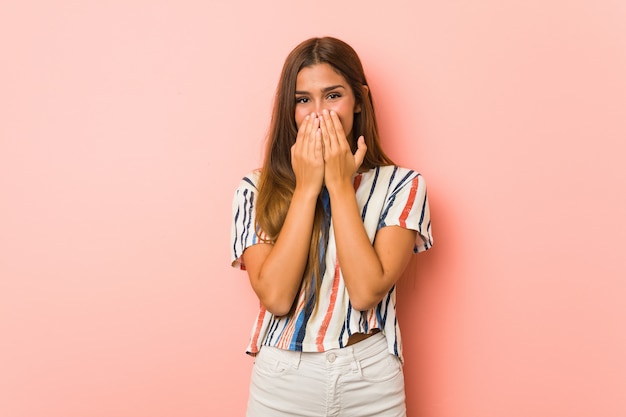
(320, 87)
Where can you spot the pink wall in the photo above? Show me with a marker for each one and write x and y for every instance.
(125, 127)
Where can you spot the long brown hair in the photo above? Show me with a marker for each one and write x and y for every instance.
(277, 181)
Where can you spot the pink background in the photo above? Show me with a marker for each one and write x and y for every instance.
(125, 127)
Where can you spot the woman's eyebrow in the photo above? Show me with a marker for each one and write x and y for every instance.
(324, 90)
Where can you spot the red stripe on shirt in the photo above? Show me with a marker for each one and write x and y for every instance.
(258, 327)
(329, 313)
(409, 202)
(357, 181)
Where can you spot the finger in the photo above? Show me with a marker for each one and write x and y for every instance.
(338, 127)
(325, 132)
(330, 127)
(302, 129)
(302, 140)
(310, 125)
(361, 150)
(318, 150)
(311, 136)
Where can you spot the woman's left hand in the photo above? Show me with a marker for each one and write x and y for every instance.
(339, 162)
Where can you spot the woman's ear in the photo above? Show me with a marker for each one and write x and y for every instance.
(364, 92)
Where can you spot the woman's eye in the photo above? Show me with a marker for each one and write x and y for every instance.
(333, 96)
(301, 100)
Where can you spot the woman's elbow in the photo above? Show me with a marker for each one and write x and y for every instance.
(277, 309)
(365, 302)
(276, 304)
(277, 301)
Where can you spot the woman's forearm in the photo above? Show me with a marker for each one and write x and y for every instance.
(359, 263)
(277, 270)
(369, 271)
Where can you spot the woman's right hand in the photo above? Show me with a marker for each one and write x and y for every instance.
(307, 156)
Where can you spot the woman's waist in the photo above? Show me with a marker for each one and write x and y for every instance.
(362, 347)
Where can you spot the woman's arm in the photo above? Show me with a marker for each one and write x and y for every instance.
(368, 271)
(276, 270)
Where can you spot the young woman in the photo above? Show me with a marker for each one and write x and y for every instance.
(324, 230)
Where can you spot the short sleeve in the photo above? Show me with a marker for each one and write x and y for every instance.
(243, 227)
(407, 206)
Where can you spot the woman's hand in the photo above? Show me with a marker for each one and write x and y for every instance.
(307, 156)
(339, 162)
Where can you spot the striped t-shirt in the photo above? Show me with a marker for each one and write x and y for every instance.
(386, 196)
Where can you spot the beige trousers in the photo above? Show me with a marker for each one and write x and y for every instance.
(356, 381)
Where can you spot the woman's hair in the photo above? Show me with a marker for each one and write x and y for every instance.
(277, 181)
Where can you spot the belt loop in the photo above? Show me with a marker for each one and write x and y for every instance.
(296, 359)
(356, 363)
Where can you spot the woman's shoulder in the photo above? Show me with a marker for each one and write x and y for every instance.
(250, 180)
